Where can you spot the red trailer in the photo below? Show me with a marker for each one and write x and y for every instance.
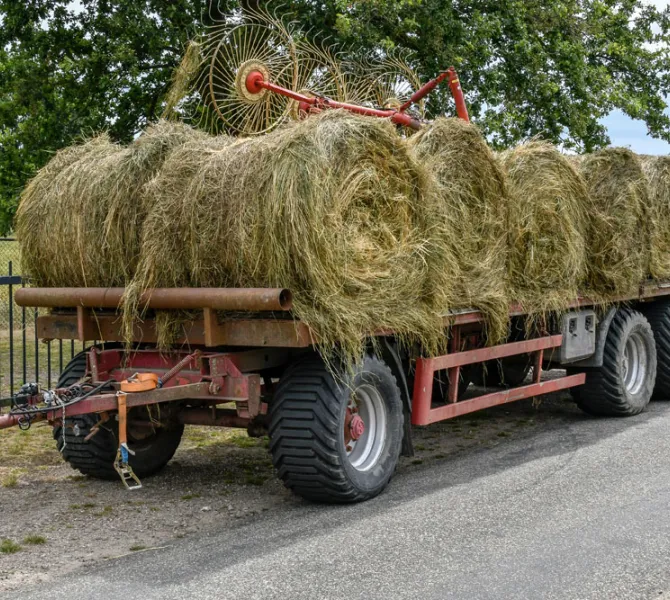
(334, 436)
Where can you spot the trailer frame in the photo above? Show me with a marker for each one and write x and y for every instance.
(231, 375)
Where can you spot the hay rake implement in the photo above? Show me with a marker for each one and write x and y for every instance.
(256, 82)
(255, 76)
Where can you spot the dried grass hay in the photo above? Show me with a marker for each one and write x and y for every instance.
(470, 218)
(334, 208)
(547, 225)
(618, 251)
(657, 170)
(80, 219)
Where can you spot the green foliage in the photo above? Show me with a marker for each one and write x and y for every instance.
(68, 69)
(35, 540)
(528, 67)
(8, 546)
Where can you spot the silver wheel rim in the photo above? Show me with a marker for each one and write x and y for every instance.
(366, 402)
(634, 363)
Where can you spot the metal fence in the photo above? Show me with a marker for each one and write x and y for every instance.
(23, 358)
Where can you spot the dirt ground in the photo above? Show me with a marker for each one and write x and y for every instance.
(55, 520)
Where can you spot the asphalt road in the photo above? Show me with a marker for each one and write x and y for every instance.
(577, 510)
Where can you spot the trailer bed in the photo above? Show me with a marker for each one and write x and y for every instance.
(85, 323)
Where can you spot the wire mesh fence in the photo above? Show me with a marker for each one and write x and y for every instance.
(10, 265)
(9, 253)
(23, 357)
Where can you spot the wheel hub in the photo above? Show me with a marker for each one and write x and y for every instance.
(634, 363)
(357, 427)
(365, 426)
(246, 81)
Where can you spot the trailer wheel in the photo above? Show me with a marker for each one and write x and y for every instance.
(96, 457)
(658, 315)
(624, 384)
(336, 441)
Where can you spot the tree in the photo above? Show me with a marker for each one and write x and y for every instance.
(528, 67)
(68, 69)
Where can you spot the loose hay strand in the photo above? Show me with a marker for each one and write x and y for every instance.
(182, 79)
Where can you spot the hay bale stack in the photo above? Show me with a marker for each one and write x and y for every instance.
(333, 207)
(80, 219)
(657, 170)
(471, 217)
(618, 249)
(547, 224)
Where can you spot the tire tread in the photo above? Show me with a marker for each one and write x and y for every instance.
(304, 430)
(603, 393)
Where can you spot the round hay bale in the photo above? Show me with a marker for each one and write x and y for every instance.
(334, 208)
(79, 221)
(55, 215)
(617, 245)
(547, 226)
(470, 219)
(657, 170)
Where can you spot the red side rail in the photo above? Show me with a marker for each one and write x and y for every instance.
(424, 414)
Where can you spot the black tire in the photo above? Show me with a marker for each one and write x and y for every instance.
(96, 457)
(606, 391)
(307, 424)
(658, 315)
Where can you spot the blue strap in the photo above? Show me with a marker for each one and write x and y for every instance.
(124, 454)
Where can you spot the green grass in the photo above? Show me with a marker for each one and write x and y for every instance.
(190, 496)
(137, 548)
(204, 437)
(8, 546)
(10, 480)
(34, 540)
(32, 448)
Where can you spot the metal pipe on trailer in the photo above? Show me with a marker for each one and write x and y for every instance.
(233, 299)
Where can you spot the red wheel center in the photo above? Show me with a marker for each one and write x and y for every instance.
(357, 427)
(254, 81)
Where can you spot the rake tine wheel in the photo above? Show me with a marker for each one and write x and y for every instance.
(262, 45)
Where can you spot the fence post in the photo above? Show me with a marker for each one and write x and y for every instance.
(11, 331)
